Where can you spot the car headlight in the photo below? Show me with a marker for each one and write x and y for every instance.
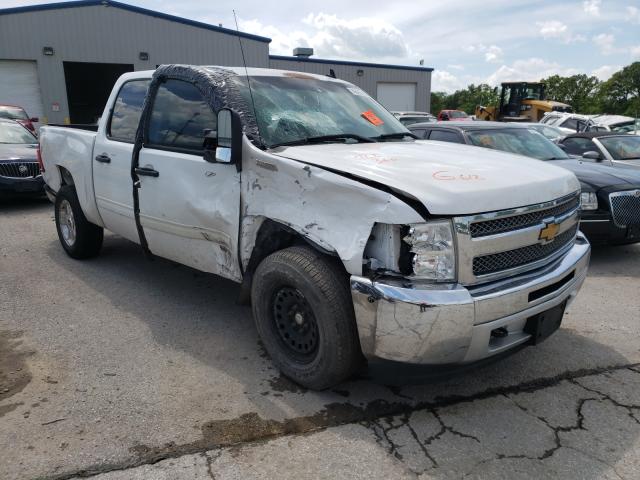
(588, 201)
(432, 250)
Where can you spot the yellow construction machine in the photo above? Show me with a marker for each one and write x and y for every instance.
(521, 102)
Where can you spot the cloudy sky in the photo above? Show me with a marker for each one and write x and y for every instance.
(465, 41)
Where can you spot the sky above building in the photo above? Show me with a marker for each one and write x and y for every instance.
(465, 41)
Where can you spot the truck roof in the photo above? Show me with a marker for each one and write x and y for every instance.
(240, 71)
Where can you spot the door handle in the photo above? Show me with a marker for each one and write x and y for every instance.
(103, 158)
(146, 172)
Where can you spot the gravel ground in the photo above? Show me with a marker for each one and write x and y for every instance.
(124, 368)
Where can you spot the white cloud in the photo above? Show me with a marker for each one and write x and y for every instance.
(559, 30)
(531, 69)
(455, 66)
(633, 15)
(604, 42)
(492, 53)
(444, 81)
(605, 71)
(592, 7)
(333, 37)
(635, 52)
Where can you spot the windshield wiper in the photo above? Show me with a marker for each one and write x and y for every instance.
(325, 138)
(398, 135)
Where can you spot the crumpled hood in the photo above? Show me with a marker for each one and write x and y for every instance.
(447, 178)
(11, 151)
(600, 175)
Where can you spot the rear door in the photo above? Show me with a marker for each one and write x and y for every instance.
(189, 208)
(112, 159)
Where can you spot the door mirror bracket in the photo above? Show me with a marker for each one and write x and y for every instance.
(224, 144)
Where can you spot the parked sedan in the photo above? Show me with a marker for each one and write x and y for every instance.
(607, 147)
(610, 199)
(453, 115)
(19, 169)
(14, 112)
(408, 118)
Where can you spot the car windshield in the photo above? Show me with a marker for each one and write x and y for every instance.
(457, 114)
(12, 113)
(625, 127)
(297, 107)
(416, 119)
(552, 133)
(624, 147)
(522, 141)
(15, 133)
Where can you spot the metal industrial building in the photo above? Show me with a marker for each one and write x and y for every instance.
(60, 60)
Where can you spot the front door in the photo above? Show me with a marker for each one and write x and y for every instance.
(189, 208)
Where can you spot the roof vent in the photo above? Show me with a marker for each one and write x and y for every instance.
(302, 52)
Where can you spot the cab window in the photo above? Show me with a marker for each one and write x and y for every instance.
(126, 112)
(179, 118)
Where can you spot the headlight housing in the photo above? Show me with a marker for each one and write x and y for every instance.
(432, 250)
(588, 201)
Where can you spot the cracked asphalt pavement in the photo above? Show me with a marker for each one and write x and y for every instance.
(121, 368)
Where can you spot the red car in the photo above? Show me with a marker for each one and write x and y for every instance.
(14, 112)
(457, 115)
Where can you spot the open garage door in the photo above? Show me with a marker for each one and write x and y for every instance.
(88, 88)
(397, 96)
(19, 85)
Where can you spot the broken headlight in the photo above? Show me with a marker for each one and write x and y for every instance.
(588, 201)
(432, 250)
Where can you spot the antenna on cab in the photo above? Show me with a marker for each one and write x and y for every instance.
(246, 72)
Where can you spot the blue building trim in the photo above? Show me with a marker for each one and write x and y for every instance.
(354, 64)
(131, 8)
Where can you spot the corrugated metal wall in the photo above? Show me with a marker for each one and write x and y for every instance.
(113, 35)
(369, 79)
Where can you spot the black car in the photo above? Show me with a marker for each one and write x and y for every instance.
(610, 198)
(611, 148)
(19, 168)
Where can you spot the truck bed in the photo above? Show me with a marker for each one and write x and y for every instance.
(70, 148)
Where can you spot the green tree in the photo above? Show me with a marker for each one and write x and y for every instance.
(621, 93)
(579, 91)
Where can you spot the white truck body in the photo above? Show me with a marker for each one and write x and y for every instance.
(334, 196)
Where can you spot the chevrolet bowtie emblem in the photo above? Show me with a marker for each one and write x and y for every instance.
(549, 232)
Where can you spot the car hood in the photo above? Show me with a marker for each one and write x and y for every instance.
(447, 178)
(599, 175)
(16, 151)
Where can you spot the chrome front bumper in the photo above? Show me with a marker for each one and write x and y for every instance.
(452, 324)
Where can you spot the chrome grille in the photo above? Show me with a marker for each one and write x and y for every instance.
(486, 264)
(507, 224)
(625, 208)
(19, 169)
(505, 243)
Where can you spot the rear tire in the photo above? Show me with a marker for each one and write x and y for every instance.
(304, 315)
(79, 237)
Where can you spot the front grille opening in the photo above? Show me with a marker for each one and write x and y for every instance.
(19, 169)
(497, 262)
(507, 224)
(625, 209)
(537, 294)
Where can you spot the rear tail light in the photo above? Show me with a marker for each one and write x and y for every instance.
(39, 157)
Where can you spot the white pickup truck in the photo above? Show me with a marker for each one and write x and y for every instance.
(352, 240)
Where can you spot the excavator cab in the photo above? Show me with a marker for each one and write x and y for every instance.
(521, 102)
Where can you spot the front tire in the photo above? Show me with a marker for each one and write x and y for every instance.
(79, 237)
(304, 315)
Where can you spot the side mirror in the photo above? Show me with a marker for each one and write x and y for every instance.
(562, 147)
(34, 119)
(592, 156)
(224, 145)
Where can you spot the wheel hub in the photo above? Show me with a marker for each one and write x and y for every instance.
(67, 222)
(295, 323)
